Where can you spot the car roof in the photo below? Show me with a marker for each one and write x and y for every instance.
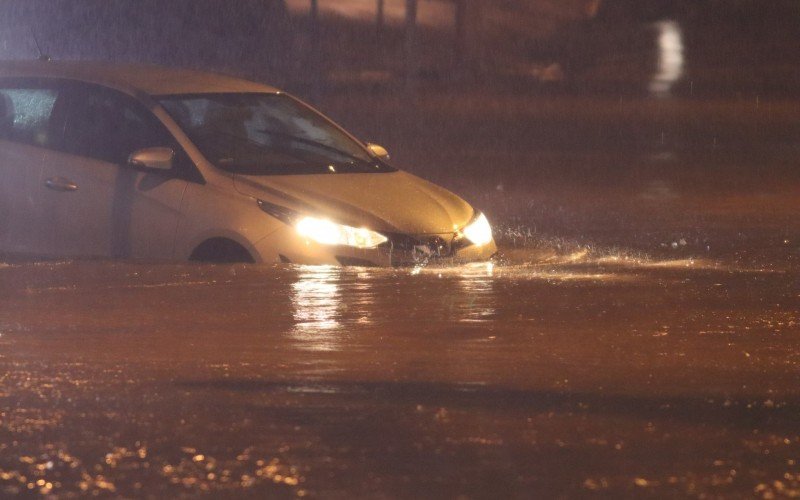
(133, 78)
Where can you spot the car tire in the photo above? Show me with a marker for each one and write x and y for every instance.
(221, 250)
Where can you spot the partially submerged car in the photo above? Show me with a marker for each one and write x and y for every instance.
(144, 162)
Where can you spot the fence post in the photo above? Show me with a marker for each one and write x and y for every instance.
(461, 52)
(379, 19)
(314, 26)
(315, 59)
(411, 44)
(471, 35)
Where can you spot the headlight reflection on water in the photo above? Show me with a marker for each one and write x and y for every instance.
(477, 284)
(317, 304)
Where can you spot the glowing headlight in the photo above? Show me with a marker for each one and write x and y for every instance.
(479, 231)
(329, 233)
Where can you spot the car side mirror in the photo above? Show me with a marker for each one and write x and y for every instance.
(377, 151)
(152, 158)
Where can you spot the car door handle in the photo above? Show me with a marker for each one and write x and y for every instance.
(60, 184)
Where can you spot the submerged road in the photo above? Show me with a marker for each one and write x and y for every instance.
(641, 335)
(566, 376)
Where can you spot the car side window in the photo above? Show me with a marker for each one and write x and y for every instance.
(25, 114)
(109, 126)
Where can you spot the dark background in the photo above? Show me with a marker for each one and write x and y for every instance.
(732, 46)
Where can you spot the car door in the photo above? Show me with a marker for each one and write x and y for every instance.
(98, 205)
(26, 108)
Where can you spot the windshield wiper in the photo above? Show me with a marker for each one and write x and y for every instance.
(309, 142)
(355, 163)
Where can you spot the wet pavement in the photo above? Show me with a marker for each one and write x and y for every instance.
(639, 336)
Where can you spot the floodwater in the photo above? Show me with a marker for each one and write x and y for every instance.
(559, 377)
(639, 334)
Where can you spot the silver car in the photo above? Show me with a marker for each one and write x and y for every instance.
(144, 162)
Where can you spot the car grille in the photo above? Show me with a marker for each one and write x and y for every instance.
(416, 249)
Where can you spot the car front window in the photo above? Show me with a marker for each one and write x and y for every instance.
(267, 134)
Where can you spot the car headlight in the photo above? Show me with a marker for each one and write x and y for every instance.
(324, 231)
(478, 231)
(330, 233)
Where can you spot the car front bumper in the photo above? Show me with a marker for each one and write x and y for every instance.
(401, 250)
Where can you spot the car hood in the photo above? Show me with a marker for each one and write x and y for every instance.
(391, 202)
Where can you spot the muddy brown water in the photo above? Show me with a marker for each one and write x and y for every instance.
(560, 377)
(640, 334)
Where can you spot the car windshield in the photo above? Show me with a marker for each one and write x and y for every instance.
(267, 134)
